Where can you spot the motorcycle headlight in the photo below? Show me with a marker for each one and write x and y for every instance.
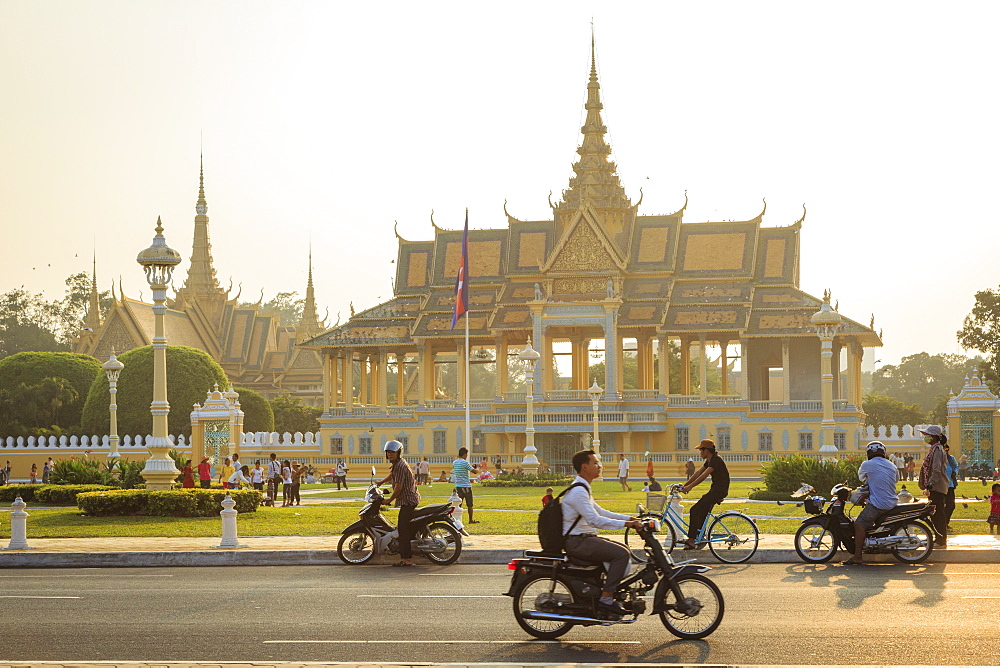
(654, 524)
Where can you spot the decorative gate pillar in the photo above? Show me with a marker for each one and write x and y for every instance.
(214, 427)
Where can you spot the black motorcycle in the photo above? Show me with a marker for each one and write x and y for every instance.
(435, 533)
(905, 532)
(554, 592)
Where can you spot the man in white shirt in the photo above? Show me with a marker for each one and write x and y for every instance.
(623, 466)
(581, 520)
(880, 476)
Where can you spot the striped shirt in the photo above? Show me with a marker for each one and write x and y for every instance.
(460, 469)
(403, 476)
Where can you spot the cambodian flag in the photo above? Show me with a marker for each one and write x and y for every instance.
(462, 278)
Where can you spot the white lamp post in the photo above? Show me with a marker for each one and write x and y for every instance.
(113, 368)
(529, 356)
(159, 261)
(595, 393)
(827, 323)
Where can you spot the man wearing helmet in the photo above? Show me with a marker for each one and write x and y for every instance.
(406, 496)
(880, 475)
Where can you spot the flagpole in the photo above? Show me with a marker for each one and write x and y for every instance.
(468, 377)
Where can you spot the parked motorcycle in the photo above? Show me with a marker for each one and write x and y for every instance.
(905, 532)
(435, 532)
(554, 592)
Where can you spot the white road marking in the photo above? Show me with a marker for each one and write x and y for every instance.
(40, 597)
(85, 575)
(430, 596)
(452, 642)
(470, 575)
(981, 597)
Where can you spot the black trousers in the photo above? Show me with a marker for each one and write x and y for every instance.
(940, 517)
(949, 505)
(405, 515)
(700, 510)
(598, 549)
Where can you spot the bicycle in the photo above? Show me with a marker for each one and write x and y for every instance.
(732, 537)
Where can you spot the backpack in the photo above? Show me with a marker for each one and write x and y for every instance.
(550, 523)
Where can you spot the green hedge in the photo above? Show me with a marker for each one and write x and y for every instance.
(526, 482)
(257, 412)
(10, 492)
(65, 495)
(787, 473)
(169, 503)
(31, 368)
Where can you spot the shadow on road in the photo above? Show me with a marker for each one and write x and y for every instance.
(686, 652)
(856, 584)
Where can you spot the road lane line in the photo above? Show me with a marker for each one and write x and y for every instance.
(41, 597)
(431, 596)
(82, 575)
(981, 597)
(452, 642)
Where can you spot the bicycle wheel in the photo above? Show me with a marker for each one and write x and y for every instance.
(542, 594)
(815, 544)
(447, 536)
(698, 614)
(733, 537)
(668, 535)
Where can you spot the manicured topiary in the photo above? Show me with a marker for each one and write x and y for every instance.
(175, 502)
(64, 495)
(33, 368)
(191, 373)
(257, 413)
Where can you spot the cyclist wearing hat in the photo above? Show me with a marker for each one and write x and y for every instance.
(715, 467)
(880, 475)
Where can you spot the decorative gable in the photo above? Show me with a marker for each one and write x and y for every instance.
(584, 248)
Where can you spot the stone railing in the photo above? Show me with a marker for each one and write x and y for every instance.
(263, 439)
(83, 443)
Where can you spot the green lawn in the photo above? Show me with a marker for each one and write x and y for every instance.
(501, 510)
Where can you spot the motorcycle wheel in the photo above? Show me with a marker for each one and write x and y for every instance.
(526, 599)
(701, 592)
(444, 532)
(667, 533)
(921, 532)
(741, 538)
(357, 547)
(815, 544)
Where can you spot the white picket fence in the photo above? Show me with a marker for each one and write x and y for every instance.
(247, 441)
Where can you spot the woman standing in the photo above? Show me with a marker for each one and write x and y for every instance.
(286, 483)
(297, 474)
(45, 472)
(257, 476)
(33, 476)
(933, 479)
(188, 473)
(225, 471)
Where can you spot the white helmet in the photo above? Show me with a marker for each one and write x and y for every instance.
(876, 448)
(392, 446)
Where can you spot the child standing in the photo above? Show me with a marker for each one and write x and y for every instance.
(994, 520)
(547, 497)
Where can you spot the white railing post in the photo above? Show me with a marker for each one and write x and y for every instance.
(18, 526)
(229, 513)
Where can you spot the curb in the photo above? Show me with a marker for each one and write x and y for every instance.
(249, 557)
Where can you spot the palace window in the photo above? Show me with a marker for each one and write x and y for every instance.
(336, 445)
(440, 442)
(806, 440)
(478, 442)
(840, 440)
(364, 445)
(405, 440)
(723, 439)
(765, 441)
(682, 437)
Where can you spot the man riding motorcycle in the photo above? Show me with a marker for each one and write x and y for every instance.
(880, 475)
(583, 518)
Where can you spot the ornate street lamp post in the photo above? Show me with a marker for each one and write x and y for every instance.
(595, 393)
(159, 261)
(827, 323)
(113, 368)
(529, 356)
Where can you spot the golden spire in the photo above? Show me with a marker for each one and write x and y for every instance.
(309, 323)
(93, 317)
(201, 278)
(596, 176)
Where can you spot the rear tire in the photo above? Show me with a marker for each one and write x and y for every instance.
(447, 533)
(920, 532)
(527, 596)
(742, 541)
(698, 590)
(815, 544)
(357, 547)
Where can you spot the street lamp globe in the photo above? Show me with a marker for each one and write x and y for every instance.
(113, 369)
(530, 357)
(595, 392)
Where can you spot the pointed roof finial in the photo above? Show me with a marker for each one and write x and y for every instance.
(93, 317)
(309, 326)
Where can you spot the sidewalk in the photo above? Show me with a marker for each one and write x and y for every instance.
(322, 550)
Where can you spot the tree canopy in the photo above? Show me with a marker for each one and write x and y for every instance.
(291, 416)
(884, 411)
(284, 305)
(981, 331)
(42, 390)
(191, 373)
(257, 413)
(923, 379)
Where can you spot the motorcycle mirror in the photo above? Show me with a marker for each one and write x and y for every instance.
(640, 509)
(373, 471)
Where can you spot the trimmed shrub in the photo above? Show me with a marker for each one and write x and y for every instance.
(257, 412)
(191, 373)
(170, 503)
(10, 492)
(786, 474)
(80, 471)
(65, 495)
(33, 368)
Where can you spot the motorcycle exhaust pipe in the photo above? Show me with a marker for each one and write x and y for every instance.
(553, 617)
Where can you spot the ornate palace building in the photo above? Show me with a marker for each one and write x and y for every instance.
(252, 346)
(599, 281)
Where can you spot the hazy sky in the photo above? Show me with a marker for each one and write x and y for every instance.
(334, 119)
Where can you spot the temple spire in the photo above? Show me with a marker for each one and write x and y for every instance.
(93, 317)
(201, 278)
(596, 176)
(309, 323)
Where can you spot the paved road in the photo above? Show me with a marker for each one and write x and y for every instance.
(776, 614)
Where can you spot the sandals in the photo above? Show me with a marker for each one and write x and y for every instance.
(852, 562)
(402, 564)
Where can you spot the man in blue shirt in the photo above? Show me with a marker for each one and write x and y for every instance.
(461, 468)
(880, 475)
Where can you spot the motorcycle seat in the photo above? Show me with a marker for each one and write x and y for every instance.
(542, 554)
(902, 508)
(431, 510)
